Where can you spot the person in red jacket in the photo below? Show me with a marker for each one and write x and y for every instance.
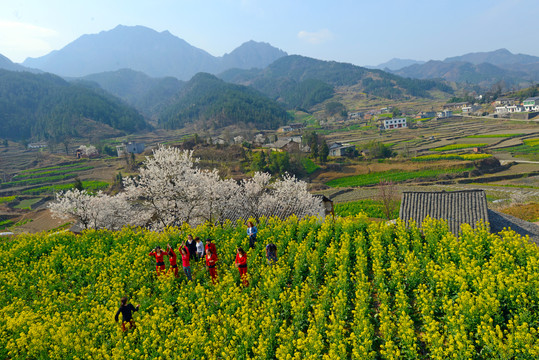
(211, 246)
(185, 261)
(172, 259)
(127, 314)
(158, 253)
(241, 264)
(211, 260)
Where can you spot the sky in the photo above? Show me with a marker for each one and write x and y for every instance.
(361, 32)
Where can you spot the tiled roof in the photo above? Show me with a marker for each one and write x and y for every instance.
(457, 207)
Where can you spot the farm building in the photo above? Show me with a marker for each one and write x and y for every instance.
(340, 149)
(456, 207)
(130, 148)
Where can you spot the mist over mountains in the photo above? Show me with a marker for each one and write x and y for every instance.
(157, 54)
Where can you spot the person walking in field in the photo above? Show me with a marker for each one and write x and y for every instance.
(127, 314)
(200, 248)
(172, 258)
(184, 251)
(241, 264)
(251, 232)
(158, 253)
(211, 261)
(271, 253)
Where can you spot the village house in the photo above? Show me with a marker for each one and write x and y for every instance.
(355, 115)
(531, 104)
(289, 144)
(36, 145)
(470, 109)
(509, 109)
(340, 149)
(291, 127)
(456, 106)
(394, 123)
(444, 114)
(505, 101)
(130, 148)
(425, 115)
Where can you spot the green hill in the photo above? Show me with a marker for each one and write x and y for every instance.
(44, 105)
(207, 99)
(297, 69)
(146, 94)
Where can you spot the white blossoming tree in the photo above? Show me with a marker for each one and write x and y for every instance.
(97, 210)
(171, 190)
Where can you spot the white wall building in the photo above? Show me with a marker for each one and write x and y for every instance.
(395, 123)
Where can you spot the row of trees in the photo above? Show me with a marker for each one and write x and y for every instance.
(171, 190)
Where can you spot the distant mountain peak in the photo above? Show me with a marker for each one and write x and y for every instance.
(497, 57)
(157, 54)
(396, 64)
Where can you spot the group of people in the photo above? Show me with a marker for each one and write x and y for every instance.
(194, 249)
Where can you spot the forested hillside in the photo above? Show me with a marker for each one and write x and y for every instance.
(147, 94)
(211, 100)
(299, 68)
(44, 105)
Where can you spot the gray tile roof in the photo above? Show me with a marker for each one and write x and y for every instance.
(457, 207)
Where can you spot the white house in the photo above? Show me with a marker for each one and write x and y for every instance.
(444, 114)
(131, 148)
(395, 123)
(509, 109)
(531, 104)
(467, 110)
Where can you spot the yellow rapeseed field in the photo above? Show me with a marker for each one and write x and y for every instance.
(342, 289)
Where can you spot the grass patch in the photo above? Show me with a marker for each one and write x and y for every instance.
(372, 208)
(51, 172)
(7, 199)
(54, 167)
(5, 224)
(27, 203)
(457, 147)
(91, 185)
(530, 147)
(492, 136)
(507, 185)
(528, 212)
(392, 175)
(434, 157)
(42, 180)
(309, 165)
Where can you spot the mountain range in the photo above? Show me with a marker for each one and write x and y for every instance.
(130, 76)
(157, 54)
(482, 68)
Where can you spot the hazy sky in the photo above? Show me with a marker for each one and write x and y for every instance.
(360, 32)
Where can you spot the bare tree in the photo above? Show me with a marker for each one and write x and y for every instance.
(389, 196)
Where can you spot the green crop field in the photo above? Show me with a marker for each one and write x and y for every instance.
(91, 185)
(457, 147)
(492, 136)
(371, 208)
(434, 157)
(393, 175)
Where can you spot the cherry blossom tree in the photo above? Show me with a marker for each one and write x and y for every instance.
(171, 190)
(97, 210)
